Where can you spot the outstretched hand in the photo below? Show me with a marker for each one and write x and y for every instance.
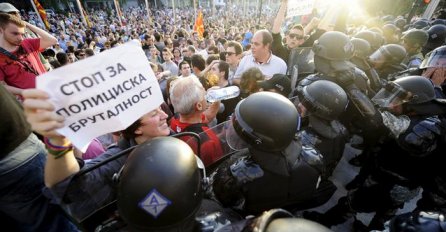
(41, 115)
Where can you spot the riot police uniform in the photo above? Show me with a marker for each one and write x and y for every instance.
(360, 59)
(324, 101)
(332, 53)
(403, 164)
(388, 60)
(160, 188)
(437, 36)
(414, 40)
(274, 220)
(275, 170)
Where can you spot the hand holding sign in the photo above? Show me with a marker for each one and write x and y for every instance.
(103, 93)
(40, 113)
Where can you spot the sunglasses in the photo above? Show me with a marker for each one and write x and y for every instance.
(296, 36)
(229, 53)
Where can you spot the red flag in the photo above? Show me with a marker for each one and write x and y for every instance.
(42, 13)
(199, 25)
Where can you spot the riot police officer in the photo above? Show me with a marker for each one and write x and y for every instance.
(373, 38)
(413, 41)
(437, 36)
(322, 102)
(332, 52)
(405, 161)
(360, 58)
(388, 60)
(275, 170)
(160, 188)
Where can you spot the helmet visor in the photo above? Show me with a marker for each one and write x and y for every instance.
(391, 95)
(437, 59)
(379, 56)
(235, 142)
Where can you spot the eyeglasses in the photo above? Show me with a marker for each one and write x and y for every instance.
(296, 36)
(229, 53)
(81, 54)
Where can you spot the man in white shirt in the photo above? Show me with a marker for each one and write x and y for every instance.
(261, 57)
(185, 70)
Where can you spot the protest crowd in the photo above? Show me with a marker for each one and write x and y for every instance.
(274, 99)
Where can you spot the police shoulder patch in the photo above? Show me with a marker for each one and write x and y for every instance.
(154, 203)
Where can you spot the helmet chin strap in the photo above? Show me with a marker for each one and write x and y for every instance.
(201, 166)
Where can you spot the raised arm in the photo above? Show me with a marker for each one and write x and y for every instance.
(44, 120)
(279, 17)
(46, 39)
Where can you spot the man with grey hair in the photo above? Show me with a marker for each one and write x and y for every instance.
(261, 57)
(193, 112)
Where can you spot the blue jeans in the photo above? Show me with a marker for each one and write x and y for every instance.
(23, 207)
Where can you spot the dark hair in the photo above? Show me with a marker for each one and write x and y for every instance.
(224, 67)
(157, 36)
(198, 62)
(236, 45)
(181, 64)
(70, 49)
(62, 57)
(89, 52)
(213, 48)
(129, 132)
(212, 58)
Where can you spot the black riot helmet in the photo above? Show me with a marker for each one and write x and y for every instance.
(437, 36)
(436, 59)
(420, 88)
(160, 186)
(266, 121)
(389, 54)
(400, 23)
(332, 51)
(373, 38)
(415, 37)
(415, 92)
(438, 21)
(418, 222)
(324, 99)
(279, 220)
(420, 24)
(362, 47)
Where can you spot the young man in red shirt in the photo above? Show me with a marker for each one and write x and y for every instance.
(19, 57)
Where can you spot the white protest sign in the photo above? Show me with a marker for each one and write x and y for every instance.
(299, 7)
(103, 93)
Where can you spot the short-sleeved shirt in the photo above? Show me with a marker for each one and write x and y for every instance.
(22, 74)
(274, 65)
(172, 67)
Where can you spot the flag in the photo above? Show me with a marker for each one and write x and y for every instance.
(199, 26)
(41, 11)
(84, 14)
(118, 11)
